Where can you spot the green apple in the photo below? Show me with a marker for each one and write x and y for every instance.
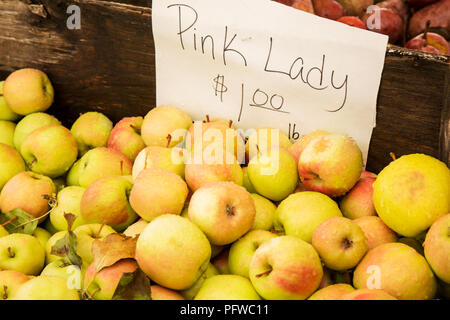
(126, 137)
(227, 287)
(192, 291)
(273, 174)
(161, 122)
(161, 293)
(50, 150)
(30, 123)
(203, 172)
(11, 163)
(21, 252)
(330, 164)
(212, 138)
(297, 148)
(368, 294)
(397, 269)
(107, 201)
(264, 139)
(273, 264)
(156, 192)
(46, 288)
(68, 201)
(300, 213)
(376, 231)
(5, 112)
(358, 201)
(224, 211)
(42, 235)
(265, 213)
(170, 159)
(49, 257)
(99, 163)
(73, 176)
(10, 282)
(437, 248)
(246, 183)
(86, 234)
(411, 193)
(91, 130)
(136, 228)
(103, 284)
(3, 231)
(241, 251)
(333, 292)
(173, 252)
(7, 129)
(47, 224)
(340, 243)
(25, 191)
(27, 91)
(74, 275)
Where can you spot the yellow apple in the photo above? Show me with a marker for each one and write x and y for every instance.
(397, 269)
(21, 252)
(330, 164)
(300, 213)
(156, 192)
(173, 252)
(227, 287)
(10, 282)
(46, 288)
(224, 211)
(91, 130)
(161, 122)
(411, 193)
(28, 90)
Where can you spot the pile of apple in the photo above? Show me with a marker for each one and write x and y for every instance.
(137, 210)
(422, 25)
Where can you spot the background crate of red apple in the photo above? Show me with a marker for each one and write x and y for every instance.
(415, 24)
(109, 66)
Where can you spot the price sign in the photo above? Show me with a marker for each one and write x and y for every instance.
(261, 63)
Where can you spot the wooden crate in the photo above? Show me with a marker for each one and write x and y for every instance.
(109, 66)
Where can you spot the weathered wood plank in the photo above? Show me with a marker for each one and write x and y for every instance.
(108, 66)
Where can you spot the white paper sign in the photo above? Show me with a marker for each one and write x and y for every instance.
(261, 63)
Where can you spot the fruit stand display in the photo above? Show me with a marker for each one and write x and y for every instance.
(91, 194)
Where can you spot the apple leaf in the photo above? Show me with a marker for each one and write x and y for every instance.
(67, 246)
(18, 221)
(133, 286)
(113, 248)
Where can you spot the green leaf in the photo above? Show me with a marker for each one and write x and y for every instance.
(133, 286)
(67, 246)
(19, 221)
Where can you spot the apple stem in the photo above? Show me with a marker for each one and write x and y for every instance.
(121, 168)
(9, 221)
(207, 118)
(11, 254)
(169, 140)
(5, 294)
(263, 273)
(94, 293)
(230, 123)
(276, 231)
(393, 156)
(97, 236)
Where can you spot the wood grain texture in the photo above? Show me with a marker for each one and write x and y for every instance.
(108, 66)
